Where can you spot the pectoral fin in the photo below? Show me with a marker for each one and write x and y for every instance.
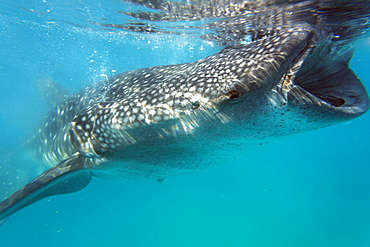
(68, 176)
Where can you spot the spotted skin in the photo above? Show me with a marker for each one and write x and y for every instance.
(163, 121)
(166, 101)
(174, 110)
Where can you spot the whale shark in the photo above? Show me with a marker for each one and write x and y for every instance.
(163, 121)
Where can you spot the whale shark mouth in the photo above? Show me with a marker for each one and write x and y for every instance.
(342, 89)
(326, 79)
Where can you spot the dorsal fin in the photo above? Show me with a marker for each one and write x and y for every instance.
(68, 176)
(52, 92)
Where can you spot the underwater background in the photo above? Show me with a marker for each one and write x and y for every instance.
(308, 190)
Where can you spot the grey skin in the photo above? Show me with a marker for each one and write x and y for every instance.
(164, 121)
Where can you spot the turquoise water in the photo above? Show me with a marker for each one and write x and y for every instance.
(308, 190)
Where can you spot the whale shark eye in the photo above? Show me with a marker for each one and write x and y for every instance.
(233, 94)
(195, 105)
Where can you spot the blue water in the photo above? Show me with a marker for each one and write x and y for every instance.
(308, 190)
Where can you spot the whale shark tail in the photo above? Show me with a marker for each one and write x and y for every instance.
(68, 176)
